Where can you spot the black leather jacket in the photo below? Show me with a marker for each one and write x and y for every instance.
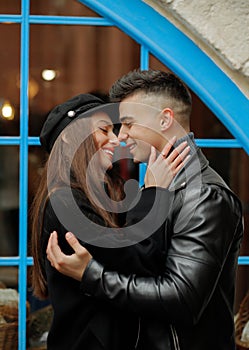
(189, 305)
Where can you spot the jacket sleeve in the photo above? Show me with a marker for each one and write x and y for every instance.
(206, 234)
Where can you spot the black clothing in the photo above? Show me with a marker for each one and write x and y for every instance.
(190, 305)
(81, 322)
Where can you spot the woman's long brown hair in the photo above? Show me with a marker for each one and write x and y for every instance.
(66, 143)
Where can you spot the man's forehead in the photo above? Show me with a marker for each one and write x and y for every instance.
(133, 109)
(127, 111)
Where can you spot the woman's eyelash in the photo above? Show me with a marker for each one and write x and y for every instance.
(104, 130)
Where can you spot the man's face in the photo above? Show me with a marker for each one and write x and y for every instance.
(140, 128)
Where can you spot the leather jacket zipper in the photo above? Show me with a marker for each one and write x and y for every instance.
(138, 332)
(176, 345)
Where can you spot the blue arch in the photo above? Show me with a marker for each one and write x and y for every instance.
(184, 58)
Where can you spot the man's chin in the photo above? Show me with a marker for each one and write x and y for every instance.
(140, 157)
(136, 161)
(140, 160)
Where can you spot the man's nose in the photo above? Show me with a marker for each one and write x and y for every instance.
(122, 135)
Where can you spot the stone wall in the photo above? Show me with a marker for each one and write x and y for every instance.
(220, 28)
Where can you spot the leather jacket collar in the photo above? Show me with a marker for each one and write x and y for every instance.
(194, 167)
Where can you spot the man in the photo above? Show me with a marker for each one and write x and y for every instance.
(188, 305)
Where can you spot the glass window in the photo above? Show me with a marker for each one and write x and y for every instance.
(60, 8)
(10, 79)
(12, 7)
(9, 200)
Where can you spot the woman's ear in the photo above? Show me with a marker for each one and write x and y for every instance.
(166, 119)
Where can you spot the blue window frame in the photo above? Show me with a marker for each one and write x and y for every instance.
(215, 89)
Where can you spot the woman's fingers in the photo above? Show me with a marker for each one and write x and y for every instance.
(54, 253)
(180, 157)
(168, 147)
(50, 247)
(152, 157)
(182, 164)
(74, 243)
(161, 170)
(177, 151)
(70, 265)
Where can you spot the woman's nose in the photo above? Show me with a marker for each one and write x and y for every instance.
(114, 141)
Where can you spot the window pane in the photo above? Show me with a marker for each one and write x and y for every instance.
(60, 8)
(10, 7)
(205, 124)
(156, 64)
(9, 276)
(9, 200)
(10, 79)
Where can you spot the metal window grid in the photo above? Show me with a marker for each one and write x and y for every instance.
(24, 141)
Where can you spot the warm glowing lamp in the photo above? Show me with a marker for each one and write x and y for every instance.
(7, 110)
(48, 74)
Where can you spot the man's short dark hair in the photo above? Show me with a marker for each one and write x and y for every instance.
(158, 83)
(150, 81)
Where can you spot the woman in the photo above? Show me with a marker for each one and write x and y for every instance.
(79, 170)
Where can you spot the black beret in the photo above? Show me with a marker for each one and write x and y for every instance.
(63, 114)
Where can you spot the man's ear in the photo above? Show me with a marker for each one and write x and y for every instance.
(166, 118)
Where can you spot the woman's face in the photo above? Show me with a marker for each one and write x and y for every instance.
(104, 137)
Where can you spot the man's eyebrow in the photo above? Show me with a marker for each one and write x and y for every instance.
(126, 118)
